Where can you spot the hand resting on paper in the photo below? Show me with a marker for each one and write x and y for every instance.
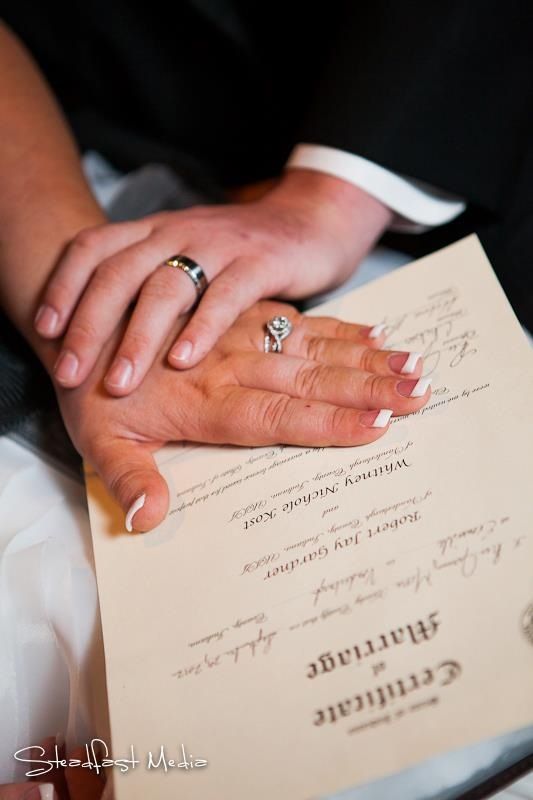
(332, 385)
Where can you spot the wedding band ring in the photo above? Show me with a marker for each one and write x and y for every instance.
(278, 328)
(190, 268)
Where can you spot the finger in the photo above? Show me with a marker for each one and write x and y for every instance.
(165, 295)
(83, 784)
(342, 353)
(130, 473)
(111, 289)
(231, 293)
(252, 417)
(332, 328)
(27, 791)
(88, 249)
(340, 386)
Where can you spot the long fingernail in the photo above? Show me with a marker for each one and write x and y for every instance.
(120, 374)
(66, 366)
(46, 320)
(182, 351)
(376, 419)
(376, 331)
(404, 363)
(135, 506)
(413, 388)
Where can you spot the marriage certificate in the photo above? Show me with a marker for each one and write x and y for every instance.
(308, 619)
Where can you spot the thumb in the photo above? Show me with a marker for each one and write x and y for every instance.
(130, 473)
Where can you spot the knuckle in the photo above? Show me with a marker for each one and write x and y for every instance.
(273, 412)
(375, 387)
(341, 329)
(82, 333)
(135, 342)
(108, 274)
(201, 328)
(308, 379)
(159, 286)
(337, 423)
(369, 359)
(314, 348)
(120, 482)
(87, 238)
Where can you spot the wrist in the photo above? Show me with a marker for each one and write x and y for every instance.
(334, 205)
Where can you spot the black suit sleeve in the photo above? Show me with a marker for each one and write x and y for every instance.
(441, 92)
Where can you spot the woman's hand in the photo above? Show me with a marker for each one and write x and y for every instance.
(303, 236)
(332, 385)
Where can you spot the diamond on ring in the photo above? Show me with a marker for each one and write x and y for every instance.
(278, 328)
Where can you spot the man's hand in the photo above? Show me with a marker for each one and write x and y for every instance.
(303, 236)
(330, 386)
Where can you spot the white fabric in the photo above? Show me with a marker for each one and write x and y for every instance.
(418, 206)
(48, 607)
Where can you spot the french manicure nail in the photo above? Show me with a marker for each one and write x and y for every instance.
(182, 351)
(120, 374)
(135, 506)
(66, 366)
(376, 419)
(46, 320)
(404, 363)
(413, 388)
(376, 331)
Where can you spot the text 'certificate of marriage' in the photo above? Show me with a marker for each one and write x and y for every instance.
(309, 619)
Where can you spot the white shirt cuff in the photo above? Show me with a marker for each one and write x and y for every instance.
(418, 206)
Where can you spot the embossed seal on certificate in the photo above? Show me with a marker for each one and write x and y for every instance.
(526, 623)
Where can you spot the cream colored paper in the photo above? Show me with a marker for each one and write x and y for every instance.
(309, 619)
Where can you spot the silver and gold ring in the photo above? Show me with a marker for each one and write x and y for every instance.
(190, 268)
